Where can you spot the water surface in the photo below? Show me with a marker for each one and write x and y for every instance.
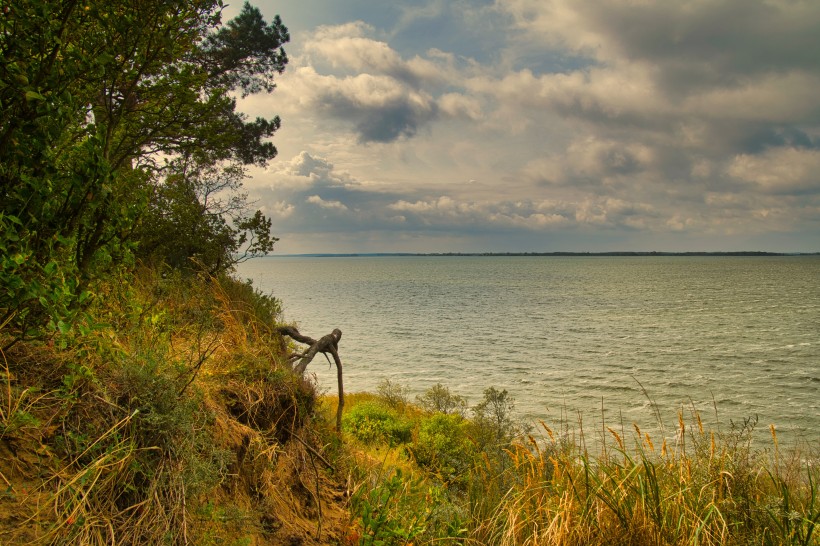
(568, 335)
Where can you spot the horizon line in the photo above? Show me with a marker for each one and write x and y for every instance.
(624, 253)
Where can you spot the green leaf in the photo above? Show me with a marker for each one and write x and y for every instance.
(34, 95)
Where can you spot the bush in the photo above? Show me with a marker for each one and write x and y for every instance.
(393, 394)
(372, 422)
(250, 304)
(439, 399)
(444, 448)
(493, 424)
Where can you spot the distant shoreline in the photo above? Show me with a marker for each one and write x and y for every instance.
(542, 254)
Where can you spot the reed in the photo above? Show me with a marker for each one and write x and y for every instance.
(698, 487)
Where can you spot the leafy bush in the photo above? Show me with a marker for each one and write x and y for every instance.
(493, 424)
(372, 422)
(393, 394)
(251, 304)
(444, 448)
(439, 399)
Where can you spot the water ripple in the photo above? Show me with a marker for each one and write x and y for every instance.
(741, 332)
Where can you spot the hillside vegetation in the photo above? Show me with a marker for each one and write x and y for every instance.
(169, 420)
(172, 417)
(147, 395)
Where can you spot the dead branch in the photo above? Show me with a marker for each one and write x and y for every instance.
(325, 344)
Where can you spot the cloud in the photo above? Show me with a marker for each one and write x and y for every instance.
(305, 171)
(306, 165)
(690, 43)
(780, 170)
(591, 162)
(278, 209)
(348, 47)
(340, 211)
(729, 67)
(332, 205)
(344, 74)
(586, 120)
(381, 108)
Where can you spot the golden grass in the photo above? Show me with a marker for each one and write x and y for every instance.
(694, 486)
(169, 420)
(708, 490)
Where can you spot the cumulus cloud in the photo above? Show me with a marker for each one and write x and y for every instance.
(349, 76)
(381, 108)
(780, 170)
(305, 171)
(348, 47)
(659, 65)
(695, 119)
(332, 205)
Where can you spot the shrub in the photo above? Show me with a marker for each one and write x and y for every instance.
(444, 448)
(372, 422)
(439, 399)
(393, 394)
(493, 424)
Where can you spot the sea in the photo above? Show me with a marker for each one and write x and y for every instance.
(579, 342)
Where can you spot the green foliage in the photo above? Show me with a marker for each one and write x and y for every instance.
(252, 305)
(378, 508)
(401, 509)
(444, 448)
(168, 426)
(373, 422)
(493, 425)
(200, 220)
(100, 105)
(439, 399)
(393, 394)
(227, 52)
(794, 517)
(16, 405)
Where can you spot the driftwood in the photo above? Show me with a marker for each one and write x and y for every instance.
(325, 344)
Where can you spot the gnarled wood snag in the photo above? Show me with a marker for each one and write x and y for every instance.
(325, 344)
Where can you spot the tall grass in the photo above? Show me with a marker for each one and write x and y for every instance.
(705, 488)
(694, 486)
(173, 419)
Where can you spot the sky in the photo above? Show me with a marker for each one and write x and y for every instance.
(544, 125)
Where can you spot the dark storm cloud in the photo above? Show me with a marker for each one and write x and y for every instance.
(712, 43)
(756, 141)
(385, 122)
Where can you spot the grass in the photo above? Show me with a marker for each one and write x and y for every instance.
(169, 416)
(696, 486)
